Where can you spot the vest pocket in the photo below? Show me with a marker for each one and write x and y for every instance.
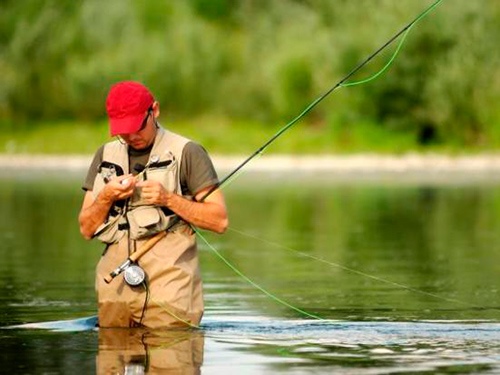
(145, 221)
(167, 176)
(109, 231)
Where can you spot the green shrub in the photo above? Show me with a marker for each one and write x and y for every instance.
(259, 62)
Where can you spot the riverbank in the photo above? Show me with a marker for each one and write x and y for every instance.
(361, 163)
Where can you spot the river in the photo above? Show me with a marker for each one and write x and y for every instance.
(318, 273)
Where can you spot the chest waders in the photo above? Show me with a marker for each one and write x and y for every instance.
(139, 220)
(169, 257)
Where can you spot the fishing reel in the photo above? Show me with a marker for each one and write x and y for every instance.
(134, 275)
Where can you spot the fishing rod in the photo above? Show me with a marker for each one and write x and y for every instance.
(327, 93)
(126, 265)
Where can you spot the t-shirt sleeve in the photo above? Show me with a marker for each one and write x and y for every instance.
(197, 170)
(88, 184)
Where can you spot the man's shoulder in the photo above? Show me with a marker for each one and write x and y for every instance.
(192, 146)
(194, 150)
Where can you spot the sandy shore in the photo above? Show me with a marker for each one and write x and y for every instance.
(332, 163)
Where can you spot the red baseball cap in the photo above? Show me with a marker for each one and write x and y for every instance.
(127, 104)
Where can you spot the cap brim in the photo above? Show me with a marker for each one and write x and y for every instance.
(125, 125)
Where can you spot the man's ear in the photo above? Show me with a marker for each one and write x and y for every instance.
(156, 109)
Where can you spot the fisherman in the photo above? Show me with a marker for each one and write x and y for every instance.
(140, 185)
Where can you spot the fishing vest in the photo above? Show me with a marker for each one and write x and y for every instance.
(133, 215)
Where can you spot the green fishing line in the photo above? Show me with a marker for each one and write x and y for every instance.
(342, 83)
(356, 271)
(386, 66)
(254, 284)
(396, 52)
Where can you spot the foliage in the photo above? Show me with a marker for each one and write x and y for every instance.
(259, 62)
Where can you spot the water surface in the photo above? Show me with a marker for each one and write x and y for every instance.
(317, 274)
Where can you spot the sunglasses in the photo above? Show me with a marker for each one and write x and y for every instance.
(145, 121)
(143, 125)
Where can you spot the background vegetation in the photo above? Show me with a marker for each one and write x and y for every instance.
(231, 72)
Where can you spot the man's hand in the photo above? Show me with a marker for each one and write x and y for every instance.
(210, 214)
(153, 192)
(95, 210)
(119, 188)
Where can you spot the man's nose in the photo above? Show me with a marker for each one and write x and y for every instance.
(133, 136)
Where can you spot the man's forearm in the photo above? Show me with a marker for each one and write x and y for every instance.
(206, 215)
(93, 215)
(95, 211)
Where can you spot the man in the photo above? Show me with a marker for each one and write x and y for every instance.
(138, 186)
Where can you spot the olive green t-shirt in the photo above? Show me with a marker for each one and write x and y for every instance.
(196, 170)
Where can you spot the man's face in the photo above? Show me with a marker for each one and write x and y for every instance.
(145, 136)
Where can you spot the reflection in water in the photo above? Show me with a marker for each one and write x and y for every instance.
(137, 351)
(298, 346)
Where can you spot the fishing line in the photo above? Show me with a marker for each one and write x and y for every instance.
(342, 83)
(403, 32)
(171, 313)
(235, 173)
(254, 284)
(146, 300)
(353, 270)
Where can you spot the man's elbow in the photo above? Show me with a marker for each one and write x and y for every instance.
(85, 233)
(84, 230)
(223, 225)
(86, 236)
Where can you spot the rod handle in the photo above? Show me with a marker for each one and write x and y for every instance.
(146, 246)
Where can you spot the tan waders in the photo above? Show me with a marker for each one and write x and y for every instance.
(173, 291)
